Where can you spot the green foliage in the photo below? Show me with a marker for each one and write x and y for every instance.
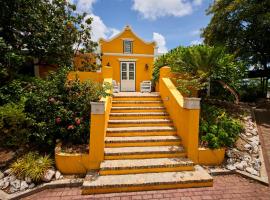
(61, 110)
(199, 64)
(242, 27)
(14, 125)
(250, 90)
(188, 84)
(41, 31)
(217, 127)
(31, 165)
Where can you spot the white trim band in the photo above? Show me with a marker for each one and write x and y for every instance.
(129, 54)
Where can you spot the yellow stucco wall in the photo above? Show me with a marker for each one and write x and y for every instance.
(186, 121)
(142, 55)
(84, 76)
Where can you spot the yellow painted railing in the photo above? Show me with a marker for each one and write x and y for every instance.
(100, 112)
(183, 111)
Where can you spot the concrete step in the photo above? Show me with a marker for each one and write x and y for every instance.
(138, 109)
(139, 115)
(141, 131)
(142, 141)
(146, 181)
(109, 167)
(138, 103)
(140, 122)
(136, 96)
(144, 152)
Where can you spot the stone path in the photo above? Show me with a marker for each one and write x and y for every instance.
(225, 187)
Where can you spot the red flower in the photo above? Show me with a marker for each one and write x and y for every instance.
(58, 120)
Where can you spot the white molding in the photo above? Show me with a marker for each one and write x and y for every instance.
(98, 107)
(128, 59)
(127, 39)
(127, 28)
(129, 54)
(192, 103)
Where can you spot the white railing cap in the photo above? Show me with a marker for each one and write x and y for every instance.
(98, 107)
(192, 103)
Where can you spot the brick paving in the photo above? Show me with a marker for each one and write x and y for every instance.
(262, 115)
(225, 187)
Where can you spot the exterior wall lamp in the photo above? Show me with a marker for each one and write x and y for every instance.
(146, 67)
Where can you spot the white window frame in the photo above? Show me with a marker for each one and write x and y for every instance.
(124, 47)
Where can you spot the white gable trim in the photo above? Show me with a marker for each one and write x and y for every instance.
(127, 28)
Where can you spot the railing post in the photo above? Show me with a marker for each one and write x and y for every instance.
(165, 72)
(184, 112)
(100, 112)
(97, 134)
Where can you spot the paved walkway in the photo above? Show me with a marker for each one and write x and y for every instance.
(225, 187)
(262, 115)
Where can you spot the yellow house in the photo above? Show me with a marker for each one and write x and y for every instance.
(130, 57)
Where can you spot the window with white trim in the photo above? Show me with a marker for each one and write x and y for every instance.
(127, 46)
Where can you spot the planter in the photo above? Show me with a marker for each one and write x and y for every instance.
(71, 163)
(211, 156)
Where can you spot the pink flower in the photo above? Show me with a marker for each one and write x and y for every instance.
(77, 121)
(70, 127)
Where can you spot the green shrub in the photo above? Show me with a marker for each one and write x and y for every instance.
(14, 125)
(31, 165)
(61, 110)
(217, 128)
(250, 90)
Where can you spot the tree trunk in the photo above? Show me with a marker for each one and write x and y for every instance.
(231, 90)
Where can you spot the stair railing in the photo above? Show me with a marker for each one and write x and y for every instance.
(183, 111)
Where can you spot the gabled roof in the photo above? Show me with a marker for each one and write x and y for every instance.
(127, 28)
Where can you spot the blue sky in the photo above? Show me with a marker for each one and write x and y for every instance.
(169, 22)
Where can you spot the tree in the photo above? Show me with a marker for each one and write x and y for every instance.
(48, 31)
(196, 65)
(243, 28)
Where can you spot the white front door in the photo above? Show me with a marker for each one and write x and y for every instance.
(127, 76)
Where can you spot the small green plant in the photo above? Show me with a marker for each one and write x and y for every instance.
(31, 165)
(188, 85)
(217, 127)
(14, 125)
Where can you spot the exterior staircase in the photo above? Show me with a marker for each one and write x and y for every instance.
(142, 150)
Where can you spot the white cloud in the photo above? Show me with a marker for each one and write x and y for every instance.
(100, 30)
(161, 42)
(197, 2)
(195, 33)
(196, 42)
(153, 9)
(114, 32)
(84, 5)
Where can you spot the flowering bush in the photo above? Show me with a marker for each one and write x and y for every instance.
(61, 110)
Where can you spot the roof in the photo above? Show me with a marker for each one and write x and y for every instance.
(127, 28)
